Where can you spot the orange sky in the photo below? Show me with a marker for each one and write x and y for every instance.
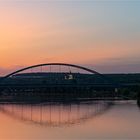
(32, 33)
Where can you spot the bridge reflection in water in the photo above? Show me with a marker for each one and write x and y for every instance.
(54, 114)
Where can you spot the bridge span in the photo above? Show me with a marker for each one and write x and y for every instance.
(60, 80)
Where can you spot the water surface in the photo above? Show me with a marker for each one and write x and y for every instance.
(86, 120)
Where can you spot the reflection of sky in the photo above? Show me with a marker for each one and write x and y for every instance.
(104, 34)
(121, 122)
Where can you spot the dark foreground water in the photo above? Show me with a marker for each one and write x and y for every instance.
(86, 120)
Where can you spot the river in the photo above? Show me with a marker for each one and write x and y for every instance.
(101, 120)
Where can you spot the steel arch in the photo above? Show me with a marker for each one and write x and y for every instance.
(52, 64)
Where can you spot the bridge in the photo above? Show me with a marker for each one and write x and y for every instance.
(59, 81)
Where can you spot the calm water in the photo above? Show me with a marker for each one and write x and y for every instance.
(86, 120)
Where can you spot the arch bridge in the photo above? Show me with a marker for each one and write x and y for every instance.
(57, 80)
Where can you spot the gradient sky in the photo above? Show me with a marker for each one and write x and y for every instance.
(103, 35)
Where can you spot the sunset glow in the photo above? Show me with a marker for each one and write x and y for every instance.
(87, 33)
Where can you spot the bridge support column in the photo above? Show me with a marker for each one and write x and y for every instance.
(138, 99)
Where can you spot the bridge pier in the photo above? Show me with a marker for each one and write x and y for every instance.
(138, 99)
